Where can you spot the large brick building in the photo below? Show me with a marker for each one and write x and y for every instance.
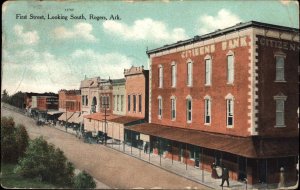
(229, 97)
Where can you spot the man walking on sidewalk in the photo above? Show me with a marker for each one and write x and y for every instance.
(225, 176)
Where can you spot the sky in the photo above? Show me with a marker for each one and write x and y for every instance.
(40, 54)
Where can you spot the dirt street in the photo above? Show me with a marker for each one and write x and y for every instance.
(111, 167)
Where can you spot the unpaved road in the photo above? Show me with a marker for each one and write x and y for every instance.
(113, 168)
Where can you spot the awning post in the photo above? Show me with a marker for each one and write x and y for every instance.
(186, 156)
(159, 151)
(267, 172)
(172, 151)
(149, 147)
(202, 164)
(130, 142)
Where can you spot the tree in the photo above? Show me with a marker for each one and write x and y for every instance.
(22, 139)
(44, 161)
(8, 140)
(4, 96)
(14, 140)
(83, 180)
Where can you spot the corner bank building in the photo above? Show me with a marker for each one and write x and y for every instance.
(229, 97)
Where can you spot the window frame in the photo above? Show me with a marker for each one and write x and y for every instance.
(128, 103)
(134, 102)
(173, 74)
(278, 55)
(173, 108)
(208, 77)
(189, 111)
(229, 104)
(281, 98)
(189, 75)
(160, 107)
(230, 54)
(160, 76)
(140, 103)
(207, 110)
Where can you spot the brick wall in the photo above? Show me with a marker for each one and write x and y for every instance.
(136, 85)
(268, 88)
(217, 91)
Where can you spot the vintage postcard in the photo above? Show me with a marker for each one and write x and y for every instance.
(150, 94)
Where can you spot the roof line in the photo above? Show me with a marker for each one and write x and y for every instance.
(220, 32)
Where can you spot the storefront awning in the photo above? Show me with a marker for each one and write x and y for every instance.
(251, 147)
(114, 118)
(65, 116)
(75, 118)
(53, 112)
(127, 120)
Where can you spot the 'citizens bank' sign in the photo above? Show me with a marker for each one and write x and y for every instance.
(280, 44)
(226, 45)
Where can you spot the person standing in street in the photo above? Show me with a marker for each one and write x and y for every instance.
(225, 176)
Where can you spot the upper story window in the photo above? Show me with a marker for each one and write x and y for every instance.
(280, 62)
(189, 109)
(173, 71)
(86, 100)
(122, 102)
(159, 107)
(208, 70)
(83, 100)
(134, 103)
(189, 73)
(230, 67)
(229, 111)
(173, 108)
(280, 99)
(105, 102)
(140, 103)
(207, 110)
(161, 76)
(128, 102)
(118, 104)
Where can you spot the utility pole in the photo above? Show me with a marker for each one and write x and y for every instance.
(66, 117)
(105, 104)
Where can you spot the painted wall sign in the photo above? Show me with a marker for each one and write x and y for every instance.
(228, 44)
(280, 44)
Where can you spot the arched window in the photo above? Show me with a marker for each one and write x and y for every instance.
(173, 107)
(174, 73)
(229, 111)
(94, 104)
(189, 67)
(208, 70)
(161, 76)
(230, 67)
(189, 109)
(160, 107)
(207, 110)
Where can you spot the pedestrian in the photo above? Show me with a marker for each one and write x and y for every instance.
(225, 176)
(281, 178)
(214, 174)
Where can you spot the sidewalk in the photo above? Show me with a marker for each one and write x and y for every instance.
(181, 169)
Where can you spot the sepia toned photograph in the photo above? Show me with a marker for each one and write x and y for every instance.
(144, 94)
